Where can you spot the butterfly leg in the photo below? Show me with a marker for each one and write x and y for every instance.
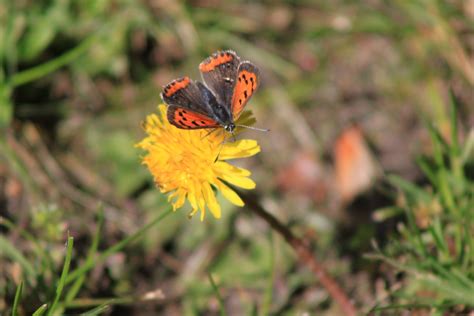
(222, 145)
(210, 132)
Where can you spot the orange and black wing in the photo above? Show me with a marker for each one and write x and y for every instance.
(188, 119)
(246, 83)
(185, 93)
(187, 106)
(219, 72)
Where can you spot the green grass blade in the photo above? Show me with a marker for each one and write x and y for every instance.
(426, 168)
(446, 192)
(117, 247)
(6, 106)
(455, 148)
(62, 280)
(384, 213)
(410, 188)
(453, 278)
(19, 290)
(82, 303)
(71, 294)
(451, 290)
(97, 310)
(218, 295)
(40, 311)
(463, 279)
(8, 55)
(404, 307)
(468, 148)
(468, 240)
(42, 70)
(436, 231)
(37, 248)
(439, 145)
(10, 251)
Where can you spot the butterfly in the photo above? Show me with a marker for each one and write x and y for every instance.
(229, 83)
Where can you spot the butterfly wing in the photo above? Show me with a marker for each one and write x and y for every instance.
(219, 73)
(246, 83)
(187, 119)
(187, 107)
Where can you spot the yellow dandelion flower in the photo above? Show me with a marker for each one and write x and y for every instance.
(183, 163)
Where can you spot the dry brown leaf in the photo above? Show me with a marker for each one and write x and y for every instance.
(355, 167)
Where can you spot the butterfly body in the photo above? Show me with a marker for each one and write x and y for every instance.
(219, 101)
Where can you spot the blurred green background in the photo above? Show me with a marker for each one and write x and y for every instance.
(371, 110)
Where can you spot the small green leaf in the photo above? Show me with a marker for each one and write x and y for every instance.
(38, 36)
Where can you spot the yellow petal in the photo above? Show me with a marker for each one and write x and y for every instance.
(241, 182)
(239, 149)
(192, 201)
(162, 109)
(201, 202)
(229, 194)
(234, 175)
(192, 213)
(211, 200)
(224, 167)
(172, 195)
(181, 198)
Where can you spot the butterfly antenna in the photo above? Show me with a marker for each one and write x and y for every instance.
(254, 128)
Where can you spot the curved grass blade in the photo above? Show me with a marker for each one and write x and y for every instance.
(40, 311)
(19, 290)
(44, 69)
(98, 310)
(71, 294)
(62, 280)
(10, 251)
(113, 249)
